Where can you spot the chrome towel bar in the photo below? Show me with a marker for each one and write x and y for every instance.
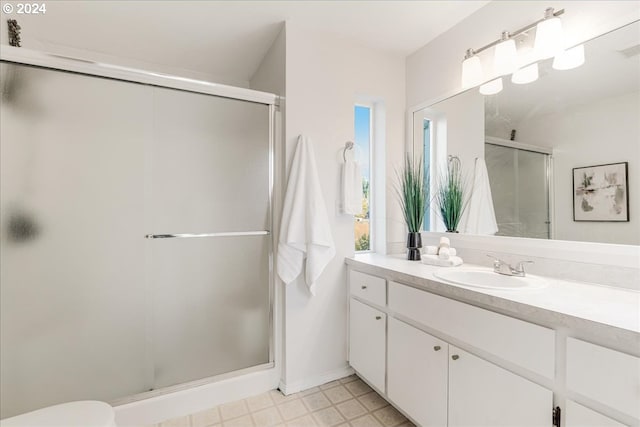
(224, 234)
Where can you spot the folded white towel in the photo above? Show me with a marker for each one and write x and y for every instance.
(453, 261)
(445, 241)
(304, 230)
(351, 188)
(480, 217)
(431, 250)
(453, 252)
(443, 253)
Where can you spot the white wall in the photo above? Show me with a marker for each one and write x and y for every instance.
(580, 137)
(325, 75)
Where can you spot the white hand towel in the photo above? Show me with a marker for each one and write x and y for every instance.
(480, 217)
(453, 261)
(305, 234)
(351, 188)
(443, 253)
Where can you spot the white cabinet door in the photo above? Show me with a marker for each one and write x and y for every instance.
(577, 415)
(367, 343)
(417, 374)
(483, 394)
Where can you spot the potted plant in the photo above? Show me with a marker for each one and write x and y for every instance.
(451, 195)
(412, 191)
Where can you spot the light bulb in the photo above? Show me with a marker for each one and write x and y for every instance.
(525, 75)
(492, 87)
(570, 58)
(505, 59)
(471, 70)
(549, 40)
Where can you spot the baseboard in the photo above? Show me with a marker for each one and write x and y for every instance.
(316, 380)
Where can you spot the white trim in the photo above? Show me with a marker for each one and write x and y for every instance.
(518, 145)
(160, 408)
(82, 66)
(316, 380)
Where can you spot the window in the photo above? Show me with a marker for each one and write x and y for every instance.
(426, 159)
(362, 151)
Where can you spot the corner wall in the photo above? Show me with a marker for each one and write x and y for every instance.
(325, 75)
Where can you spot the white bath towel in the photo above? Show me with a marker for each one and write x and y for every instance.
(305, 235)
(480, 217)
(453, 261)
(351, 188)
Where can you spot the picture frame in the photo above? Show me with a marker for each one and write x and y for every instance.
(601, 193)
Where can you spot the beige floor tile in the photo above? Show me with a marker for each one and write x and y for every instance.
(316, 401)
(278, 397)
(389, 416)
(309, 391)
(233, 410)
(177, 422)
(348, 379)
(372, 401)
(351, 409)
(261, 401)
(292, 410)
(267, 417)
(328, 417)
(366, 421)
(338, 394)
(245, 421)
(358, 387)
(329, 385)
(306, 421)
(205, 418)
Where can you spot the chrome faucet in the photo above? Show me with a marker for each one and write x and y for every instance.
(502, 267)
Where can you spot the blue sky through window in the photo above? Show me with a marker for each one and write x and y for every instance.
(363, 138)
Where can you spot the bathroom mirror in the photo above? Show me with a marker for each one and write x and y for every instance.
(533, 136)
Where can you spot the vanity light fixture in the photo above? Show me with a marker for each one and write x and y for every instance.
(471, 70)
(548, 42)
(505, 58)
(492, 87)
(526, 75)
(570, 58)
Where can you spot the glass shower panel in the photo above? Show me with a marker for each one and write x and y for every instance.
(520, 191)
(209, 173)
(71, 216)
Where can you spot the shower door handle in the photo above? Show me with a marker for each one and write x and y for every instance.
(222, 234)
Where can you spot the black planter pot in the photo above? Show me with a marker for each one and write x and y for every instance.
(414, 243)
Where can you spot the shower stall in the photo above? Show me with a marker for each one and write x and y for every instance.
(519, 176)
(135, 245)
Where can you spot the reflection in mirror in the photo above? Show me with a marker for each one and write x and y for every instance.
(533, 135)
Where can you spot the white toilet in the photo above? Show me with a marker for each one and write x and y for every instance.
(86, 413)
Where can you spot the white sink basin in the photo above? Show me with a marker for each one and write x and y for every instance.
(488, 279)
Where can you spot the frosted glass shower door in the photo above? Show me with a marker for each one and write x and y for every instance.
(520, 190)
(209, 172)
(72, 294)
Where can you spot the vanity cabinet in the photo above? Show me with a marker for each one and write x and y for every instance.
(577, 415)
(367, 342)
(438, 384)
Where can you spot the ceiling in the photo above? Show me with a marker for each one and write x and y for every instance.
(228, 39)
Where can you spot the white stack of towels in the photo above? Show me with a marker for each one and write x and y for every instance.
(442, 255)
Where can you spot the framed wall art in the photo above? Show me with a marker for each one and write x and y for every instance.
(601, 193)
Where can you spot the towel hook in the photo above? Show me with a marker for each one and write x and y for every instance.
(347, 146)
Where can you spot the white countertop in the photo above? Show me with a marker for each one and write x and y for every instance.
(603, 310)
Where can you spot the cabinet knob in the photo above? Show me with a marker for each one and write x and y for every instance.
(378, 317)
(436, 348)
(364, 286)
(455, 357)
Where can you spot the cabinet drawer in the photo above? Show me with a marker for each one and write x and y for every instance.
(604, 375)
(369, 288)
(523, 343)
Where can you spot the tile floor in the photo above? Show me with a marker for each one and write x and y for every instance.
(345, 402)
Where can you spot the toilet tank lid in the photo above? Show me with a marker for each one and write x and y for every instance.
(86, 413)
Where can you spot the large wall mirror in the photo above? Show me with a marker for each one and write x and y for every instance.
(544, 144)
